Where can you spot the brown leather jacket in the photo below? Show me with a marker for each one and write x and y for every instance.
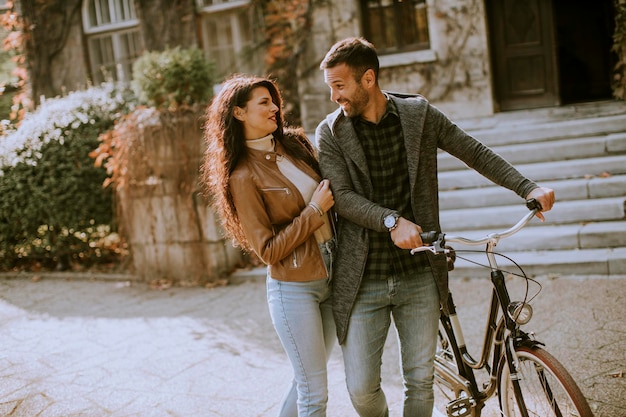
(276, 220)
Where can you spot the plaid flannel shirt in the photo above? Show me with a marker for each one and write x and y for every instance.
(383, 144)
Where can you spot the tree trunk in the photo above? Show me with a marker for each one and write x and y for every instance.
(47, 25)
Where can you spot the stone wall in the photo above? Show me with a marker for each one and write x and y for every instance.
(454, 74)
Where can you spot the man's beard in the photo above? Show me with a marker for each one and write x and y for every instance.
(357, 104)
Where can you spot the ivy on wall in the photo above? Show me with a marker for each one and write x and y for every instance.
(287, 25)
(619, 47)
(458, 60)
(13, 43)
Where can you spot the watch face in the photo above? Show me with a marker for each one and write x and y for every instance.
(390, 221)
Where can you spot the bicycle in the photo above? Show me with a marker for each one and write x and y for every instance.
(528, 380)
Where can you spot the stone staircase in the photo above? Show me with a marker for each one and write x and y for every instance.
(580, 152)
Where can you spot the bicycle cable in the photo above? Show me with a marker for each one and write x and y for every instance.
(521, 275)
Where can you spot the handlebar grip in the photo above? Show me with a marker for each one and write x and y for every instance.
(533, 204)
(429, 237)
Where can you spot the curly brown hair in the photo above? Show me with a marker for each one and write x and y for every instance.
(226, 146)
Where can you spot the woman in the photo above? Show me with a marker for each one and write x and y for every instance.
(265, 182)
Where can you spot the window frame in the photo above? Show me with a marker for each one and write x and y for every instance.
(233, 9)
(116, 29)
(116, 23)
(397, 49)
(221, 5)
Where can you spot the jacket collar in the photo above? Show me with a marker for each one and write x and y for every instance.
(412, 119)
(279, 152)
(336, 119)
(266, 155)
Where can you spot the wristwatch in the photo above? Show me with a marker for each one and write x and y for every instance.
(391, 221)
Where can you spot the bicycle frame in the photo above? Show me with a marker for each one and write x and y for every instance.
(502, 333)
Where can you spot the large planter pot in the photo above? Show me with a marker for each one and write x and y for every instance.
(172, 232)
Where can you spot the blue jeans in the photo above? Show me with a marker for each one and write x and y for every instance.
(413, 302)
(303, 319)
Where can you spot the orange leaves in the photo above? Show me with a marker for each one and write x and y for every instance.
(285, 21)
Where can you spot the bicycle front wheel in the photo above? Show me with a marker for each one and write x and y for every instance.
(547, 388)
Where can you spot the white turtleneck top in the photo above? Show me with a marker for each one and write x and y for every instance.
(305, 184)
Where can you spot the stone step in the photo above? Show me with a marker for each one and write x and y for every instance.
(581, 155)
(593, 262)
(565, 190)
(538, 132)
(547, 236)
(545, 115)
(545, 124)
(501, 217)
(554, 150)
(540, 172)
(580, 152)
(601, 261)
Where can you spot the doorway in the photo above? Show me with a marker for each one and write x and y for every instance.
(584, 38)
(550, 52)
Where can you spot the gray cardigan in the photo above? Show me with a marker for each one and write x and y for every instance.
(343, 162)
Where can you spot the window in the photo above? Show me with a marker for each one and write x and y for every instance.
(395, 26)
(231, 33)
(113, 38)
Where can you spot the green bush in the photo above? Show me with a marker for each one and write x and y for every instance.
(173, 78)
(54, 210)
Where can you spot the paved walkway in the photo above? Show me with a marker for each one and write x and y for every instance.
(99, 348)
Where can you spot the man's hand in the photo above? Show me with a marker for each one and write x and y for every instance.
(407, 234)
(545, 197)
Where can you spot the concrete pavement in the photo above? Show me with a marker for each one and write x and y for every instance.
(112, 347)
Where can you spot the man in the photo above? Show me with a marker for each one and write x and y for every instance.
(379, 151)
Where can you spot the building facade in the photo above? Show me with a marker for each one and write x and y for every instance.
(473, 57)
(469, 57)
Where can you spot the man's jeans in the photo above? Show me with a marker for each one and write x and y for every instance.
(303, 318)
(413, 302)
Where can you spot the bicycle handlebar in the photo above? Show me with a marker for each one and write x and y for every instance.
(437, 241)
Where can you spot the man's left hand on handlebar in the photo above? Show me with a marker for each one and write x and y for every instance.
(545, 197)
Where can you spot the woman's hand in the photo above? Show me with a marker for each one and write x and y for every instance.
(323, 197)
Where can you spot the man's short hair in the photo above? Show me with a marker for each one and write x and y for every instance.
(356, 52)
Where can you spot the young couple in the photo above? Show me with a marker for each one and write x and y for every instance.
(377, 153)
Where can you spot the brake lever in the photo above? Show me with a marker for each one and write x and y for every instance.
(436, 247)
(424, 249)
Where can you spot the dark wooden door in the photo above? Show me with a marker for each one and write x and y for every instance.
(523, 53)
